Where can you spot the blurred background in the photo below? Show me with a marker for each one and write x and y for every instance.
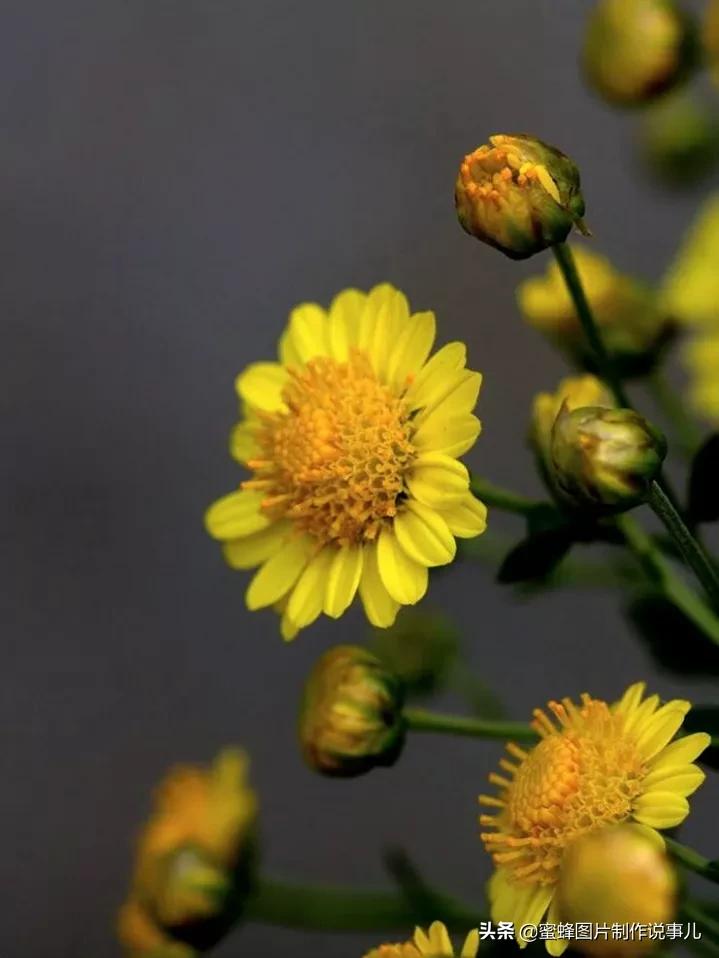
(174, 177)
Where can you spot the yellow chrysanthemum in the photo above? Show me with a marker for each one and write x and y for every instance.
(194, 851)
(352, 439)
(435, 943)
(599, 765)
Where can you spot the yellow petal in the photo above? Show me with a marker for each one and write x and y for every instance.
(343, 577)
(261, 386)
(286, 350)
(250, 551)
(305, 602)
(430, 381)
(411, 349)
(636, 721)
(404, 579)
(243, 444)
(381, 609)
(345, 312)
(308, 331)
(458, 399)
(235, 515)
(466, 518)
(437, 480)
(682, 752)
(682, 780)
(661, 809)
(277, 576)
(662, 728)
(631, 699)
(423, 535)
(471, 945)
(288, 629)
(452, 436)
(384, 330)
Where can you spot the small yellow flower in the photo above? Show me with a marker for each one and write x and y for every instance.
(435, 943)
(632, 325)
(353, 439)
(599, 765)
(195, 852)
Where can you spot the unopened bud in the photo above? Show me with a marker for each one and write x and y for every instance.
(605, 459)
(616, 875)
(635, 50)
(189, 887)
(680, 139)
(518, 194)
(351, 715)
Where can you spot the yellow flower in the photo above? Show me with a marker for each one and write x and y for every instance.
(195, 852)
(632, 325)
(711, 37)
(435, 943)
(701, 356)
(599, 765)
(352, 439)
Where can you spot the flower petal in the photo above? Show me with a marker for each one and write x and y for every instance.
(345, 312)
(424, 535)
(343, 577)
(682, 780)
(277, 576)
(682, 752)
(662, 727)
(410, 351)
(307, 331)
(431, 380)
(305, 602)
(436, 479)
(466, 518)
(243, 444)
(471, 945)
(261, 385)
(452, 436)
(631, 699)
(381, 609)
(235, 515)
(250, 551)
(661, 809)
(404, 579)
(458, 399)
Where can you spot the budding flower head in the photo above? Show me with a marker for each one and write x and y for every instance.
(518, 194)
(633, 326)
(419, 649)
(604, 459)
(351, 715)
(618, 875)
(635, 50)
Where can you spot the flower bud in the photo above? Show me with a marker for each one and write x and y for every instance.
(632, 325)
(680, 139)
(604, 459)
(711, 38)
(616, 875)
(635, 50)
(419, 649)
(518, 194)
(351, 715)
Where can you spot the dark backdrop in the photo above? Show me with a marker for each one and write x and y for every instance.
(174, 176)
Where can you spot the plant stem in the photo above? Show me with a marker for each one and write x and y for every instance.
(692, 551)
(670, 584)
(503, 499)
(692, 860)
(687, 432)
(324, 908)
(692, 912)
(568, 267)
(421, 720)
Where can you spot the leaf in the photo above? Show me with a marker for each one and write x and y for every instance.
(674, 642)
(537, 556)
(704, 482)
(705, 718)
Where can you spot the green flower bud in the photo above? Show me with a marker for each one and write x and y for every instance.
(604, 459)
(635, 50)
(518, 194)
(680, 139)
(351, 715)
(419, 648)
(189, 887)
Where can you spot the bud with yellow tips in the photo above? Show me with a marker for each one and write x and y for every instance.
(518, 194)
(351, 715)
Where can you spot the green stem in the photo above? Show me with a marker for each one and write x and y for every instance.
(568, 267)
(503, 499)
(692, 860)
(422, 720)
(661, 573)
(324, 908)
(692, 551)
(688, 433)
(705, 923)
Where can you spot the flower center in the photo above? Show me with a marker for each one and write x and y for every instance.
(493, 173)
(583, 775)
(334, 460)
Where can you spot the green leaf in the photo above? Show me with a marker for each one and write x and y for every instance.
(537, 556)
(705, 718)
(673, 641)
(704, 482)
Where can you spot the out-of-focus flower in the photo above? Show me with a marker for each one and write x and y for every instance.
(195, 858)
(574, 392)
(690, 289)
(605, 459)
(680, 139)
(599, 765)
(702, 360)
(419, 648)
(434, 943)
(711, 37)
(518, 194)
(633, 326)
(353, 439)
(616, 875)
(635, 50)
(351, 713)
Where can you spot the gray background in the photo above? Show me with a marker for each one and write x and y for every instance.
(174, 176)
